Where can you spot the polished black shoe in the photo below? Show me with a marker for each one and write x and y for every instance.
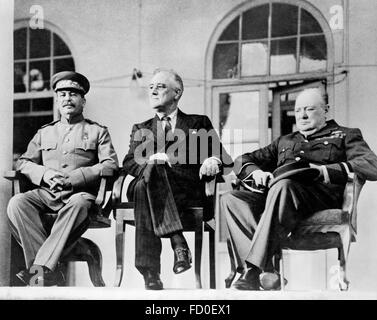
(152, 280)
(24, 276)
(41, 276)
(51, 278)
(249, 280)
(271, 281)
(182, 259)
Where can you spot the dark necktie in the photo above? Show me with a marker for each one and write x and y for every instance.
(166, 121)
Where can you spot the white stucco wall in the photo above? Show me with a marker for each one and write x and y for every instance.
(110, 38)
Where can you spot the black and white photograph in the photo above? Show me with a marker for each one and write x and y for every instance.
(188, 150)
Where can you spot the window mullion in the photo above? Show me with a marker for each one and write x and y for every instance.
(27, 59)
(298, 41)
(269, 40)
(51, 57)
(239, 66)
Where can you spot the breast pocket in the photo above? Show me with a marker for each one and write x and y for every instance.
(48, 152)
(327, 150)
(85, 153)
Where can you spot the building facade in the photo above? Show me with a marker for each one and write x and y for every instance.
(242, 64)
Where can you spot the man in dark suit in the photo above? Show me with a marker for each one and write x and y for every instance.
(169, 169)
(64, 159)
(257, 222)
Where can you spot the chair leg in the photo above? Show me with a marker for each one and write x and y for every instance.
(212, 262)
(342, 275)
(232, 274)
(343, 251)
(87, 250)
(119, 248)
(198, 253)
(63, 267)
(281, 270)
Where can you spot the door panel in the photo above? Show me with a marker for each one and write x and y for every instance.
(240, 114)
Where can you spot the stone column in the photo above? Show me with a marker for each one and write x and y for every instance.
(6, 130)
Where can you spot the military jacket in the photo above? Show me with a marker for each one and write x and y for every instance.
(339, 149)
(79, 149)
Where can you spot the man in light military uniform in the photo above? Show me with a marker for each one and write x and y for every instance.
(257, 222)
(65, 159)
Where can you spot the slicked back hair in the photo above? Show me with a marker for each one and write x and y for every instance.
(177, 78)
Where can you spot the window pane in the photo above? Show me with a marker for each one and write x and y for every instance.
(44, 104)
(254, 59)
(21, 106)
(309, 24)
(255, 23)
(64, 65)
(283, 56)
(239, 120)
(232, 31)
(19, 77)
(225, 61)
(60, 48)
(313, 53)
(24, 129)
(39, 75)
(19, 44)
(40, 43)
(284, 20)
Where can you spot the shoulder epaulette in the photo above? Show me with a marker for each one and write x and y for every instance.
(96, 123)
(50, 124)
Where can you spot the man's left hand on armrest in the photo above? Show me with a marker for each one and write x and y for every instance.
(210, 167)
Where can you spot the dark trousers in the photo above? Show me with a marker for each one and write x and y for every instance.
(257, 223)
(156, 216)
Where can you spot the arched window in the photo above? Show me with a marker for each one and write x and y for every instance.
(38, 54)
(270, 39)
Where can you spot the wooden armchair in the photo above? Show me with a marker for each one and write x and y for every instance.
(124, 215)
(82, 250)
(326, 229)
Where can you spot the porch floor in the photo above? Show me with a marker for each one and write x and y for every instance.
(109, 293)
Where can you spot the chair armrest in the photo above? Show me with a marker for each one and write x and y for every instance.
(107, 172)
(118, 187)
(16, 177)
(210, 184)
(107, 179)
(12, 175)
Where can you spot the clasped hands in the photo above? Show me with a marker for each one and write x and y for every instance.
(210, 166)
(57, 181)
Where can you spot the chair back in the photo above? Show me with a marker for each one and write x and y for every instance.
(351, 196)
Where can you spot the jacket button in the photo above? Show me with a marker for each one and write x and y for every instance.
(67, 140)
(302, 151)
(297, 158)
(64, 165)
(326, 142)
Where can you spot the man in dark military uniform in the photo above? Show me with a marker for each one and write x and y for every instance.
(65, 159)
(258, 221)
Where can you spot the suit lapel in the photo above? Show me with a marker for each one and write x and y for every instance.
(182, 122)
